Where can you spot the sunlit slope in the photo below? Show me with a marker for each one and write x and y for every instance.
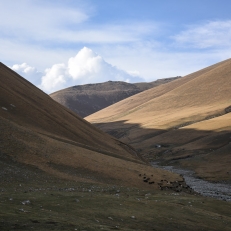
(207, 88)
(192, 112)
(35, 130)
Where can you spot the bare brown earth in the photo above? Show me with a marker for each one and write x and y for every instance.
(186, 121)
(39, 132)
(87, 99)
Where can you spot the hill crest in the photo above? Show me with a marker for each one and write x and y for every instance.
(87, 99)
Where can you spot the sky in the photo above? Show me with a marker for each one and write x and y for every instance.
(61, 43)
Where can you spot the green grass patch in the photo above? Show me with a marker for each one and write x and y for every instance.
(76, 206)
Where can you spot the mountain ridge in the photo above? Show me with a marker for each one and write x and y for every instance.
(87, 99)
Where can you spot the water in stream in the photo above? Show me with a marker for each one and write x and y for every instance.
(221, 191)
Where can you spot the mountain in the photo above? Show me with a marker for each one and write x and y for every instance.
(39, 133)
(87, 99)
(186, 122)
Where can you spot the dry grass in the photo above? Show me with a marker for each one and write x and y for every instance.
(40, 132)
(185, 116)
(66, 205)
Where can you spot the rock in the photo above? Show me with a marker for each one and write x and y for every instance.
(26, 202)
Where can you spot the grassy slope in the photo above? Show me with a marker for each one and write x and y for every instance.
(157, 116)
(40, 132)
(66, 204)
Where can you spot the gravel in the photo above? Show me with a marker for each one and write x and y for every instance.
(221, 191)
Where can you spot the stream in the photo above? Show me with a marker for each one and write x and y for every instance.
(221, 191)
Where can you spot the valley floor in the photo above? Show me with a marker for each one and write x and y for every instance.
(53, 204)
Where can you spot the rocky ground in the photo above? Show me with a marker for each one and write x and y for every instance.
(30, 199)
(221, 190)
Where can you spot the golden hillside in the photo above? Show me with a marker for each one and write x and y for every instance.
(178, 120)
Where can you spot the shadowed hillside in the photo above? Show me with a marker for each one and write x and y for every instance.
(179, 120)
(87, 99)
(38, 131)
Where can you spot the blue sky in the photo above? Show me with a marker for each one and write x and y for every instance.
(57, 44)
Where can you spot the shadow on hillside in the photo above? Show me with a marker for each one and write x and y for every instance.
(124, 130)
(172, 144)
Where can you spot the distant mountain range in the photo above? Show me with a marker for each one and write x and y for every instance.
(90, 98)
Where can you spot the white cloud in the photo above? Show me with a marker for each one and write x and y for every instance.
(25, 68)
(45, 34)
(134, 73)
(214, 34)
(34, 21)
(28, 72)
(155, 63)
(85, 64)
(36, 55)
(109, 33)
(85, 67)
(142, 63)
(28, 20)
(55, 78)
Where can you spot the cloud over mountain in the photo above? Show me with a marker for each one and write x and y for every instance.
(88, 66)
(28, 72)
(55, 78)
(85, 67)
